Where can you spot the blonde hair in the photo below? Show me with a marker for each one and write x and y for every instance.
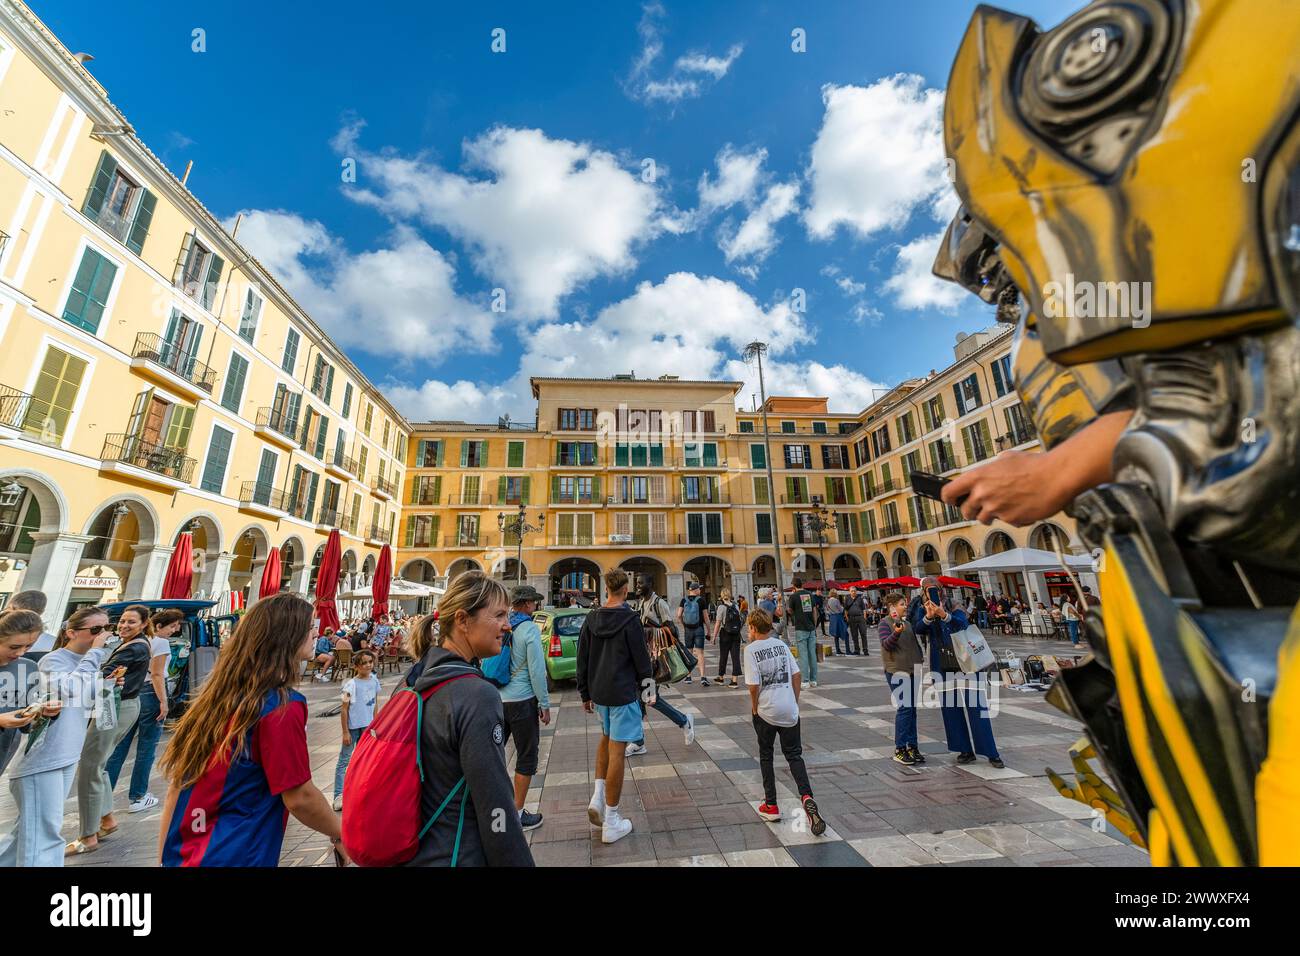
(421, 637)
(724, 594)
(469, 592)
(760, 621)
(615, 580)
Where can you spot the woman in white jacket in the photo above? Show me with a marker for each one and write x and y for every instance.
(41, 775)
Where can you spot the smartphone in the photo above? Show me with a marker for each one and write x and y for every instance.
(930, 486)
(933, 595)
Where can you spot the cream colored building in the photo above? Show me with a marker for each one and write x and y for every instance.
(154, 377)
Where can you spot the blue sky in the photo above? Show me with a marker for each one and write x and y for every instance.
(627, 186)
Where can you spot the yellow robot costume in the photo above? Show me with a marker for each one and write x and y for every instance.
(1131, 199)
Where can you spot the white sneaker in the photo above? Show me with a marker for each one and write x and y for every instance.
(814, 683)
(147, 802)
(596, 811)
(616, 827)
(338, 803)
(634, 750)
(689, 729)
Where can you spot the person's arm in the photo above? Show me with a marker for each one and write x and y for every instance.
(158, 679)
(797, 683)
(343, 717)
(584, 646)
(678, 615)
(888, 639)
(537, 667)
(1023, 487)
(168, 808)
(281, 744)
(311, 808)
(483, 763)
(753, 698)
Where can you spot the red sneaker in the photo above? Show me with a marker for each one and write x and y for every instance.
(768, 811)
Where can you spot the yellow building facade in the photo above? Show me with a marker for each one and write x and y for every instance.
(154, 377)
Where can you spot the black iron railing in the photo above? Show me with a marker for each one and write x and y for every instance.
(151, 456)
(277, 420)
(156, 350)
(257, 493)
(13, 404)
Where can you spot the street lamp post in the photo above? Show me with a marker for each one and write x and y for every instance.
(819, 521)
(519, 526)
(756, 351)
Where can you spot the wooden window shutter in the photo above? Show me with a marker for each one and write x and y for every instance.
(215, 265)
(595, 488)
(186, 244)
(555, 488)
(140, 225)
(410, 531)
(464, 452)
(807, 456)
(961, 405)
(970, 449)
(501, 490)
(710, 424)
(526, 485)
(99, 186)
(419, 452)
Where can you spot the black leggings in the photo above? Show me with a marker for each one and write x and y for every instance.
(728, 645)
(791, 748)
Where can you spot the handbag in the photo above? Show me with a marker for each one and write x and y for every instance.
(688, 657)
(659, 642)
(676, 665)
(971, 650)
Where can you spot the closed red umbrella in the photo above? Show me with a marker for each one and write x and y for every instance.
(270, 574)
(379, 585)
(327, 583)
(956, 582)
(180, 570)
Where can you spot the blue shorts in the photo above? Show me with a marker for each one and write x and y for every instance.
(693, 636)
(621, 723)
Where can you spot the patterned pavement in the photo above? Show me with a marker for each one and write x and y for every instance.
(694, 805)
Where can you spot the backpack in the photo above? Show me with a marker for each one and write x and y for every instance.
(381, 792)
(691, 612)
(497, 669)
(731, 621)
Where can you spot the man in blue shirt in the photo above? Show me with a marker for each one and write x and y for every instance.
(525, 700)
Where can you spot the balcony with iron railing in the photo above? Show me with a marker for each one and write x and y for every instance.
(382, 487)
(113, 222)
(299, 507)
(1016, 436)
(470, 501)
(341, 465)
(158, 358)
(147, 460)
(348, 525)
(634, 499)
(327, 518)
(4, 241)
(461, 540)
(13, 408)
(703, 541)
(274, 424)
(257, 496)
(699, 462)
(377, 534)
(714, 497)
(573, 498)
(892, 529)
(573, 540)
(796, 499)
(424, 495)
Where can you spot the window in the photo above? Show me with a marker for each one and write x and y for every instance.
(428, 454)
(798, 456)
(906, 428)
(232, 395)
(746, 427)
(1002, 382)
(880, 442)
(921, 511)
(796, 491)
(847, 427)
(322, 380)
(700, 489)
(290, 351)
(361, 462)
(911, 463)
(90, 290)
(512, 490)
(421, 531)
(467, 530)
(979, 443)
(515, 454)
(119, 205)
(860, 453)
(641, 528)
(967, 393)
(757, 456)
(868, 480)
(426, 490)
(704, 527)
(370, 418)
(787, 427)
(700, 454)
(934, 413)
(214, 468)
(568, 420)
(198, 272)
(248, 320)
(819, 428)
(347, 400)
(942, 457)
(846, 528)
(839, 491)
(575, 453)
(762, 492)
(575, 529)
(473, 454)
(889, 517)
(587, 419)
(574, 489)
(356, 512)
(53, 396)
(1018, 426)
(763, 525)
(835, 456)
(469, 489)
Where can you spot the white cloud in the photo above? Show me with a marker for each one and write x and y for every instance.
(848, 390)
(913, 284)
(739, 175)
(741, 180)
(399, 300)
(459, 401)
(691, 74)
(878, 157)
(551, 214)
(756, 237)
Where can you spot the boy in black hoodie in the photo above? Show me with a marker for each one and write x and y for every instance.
(613, 670)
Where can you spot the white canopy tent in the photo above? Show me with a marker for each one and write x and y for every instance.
(1026, 560)
(398, 590)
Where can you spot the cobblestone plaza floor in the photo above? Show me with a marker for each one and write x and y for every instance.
(694, 805)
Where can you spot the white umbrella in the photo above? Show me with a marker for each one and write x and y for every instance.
(398, 590)
(1026, 560)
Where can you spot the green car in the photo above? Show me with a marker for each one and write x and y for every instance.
(560, 627)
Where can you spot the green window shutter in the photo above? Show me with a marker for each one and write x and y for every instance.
(710, 455)
(761, 492)
(89, 294)
(789, 489)
(757, 456)
(140, 225)
(911, 511)
(501, 490)
(99, 186)
(439, 448)
(555, 488)
(437, 488)
(329, 384)
(884, 474)
(988, 438)
(657, 456)
(53, 396)
(419, 453)
(321, 432)
(640, 456)
(595, 488)
(214, 468)
(848, 491)
(215, 265)
(464, 453)
(178, 428)
(830, 489)
(620, 455)
(527, 485)
(233, 393)
(410, 531)
(970, 449)
(515, 455)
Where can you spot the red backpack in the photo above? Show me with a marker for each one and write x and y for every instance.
(381, 792)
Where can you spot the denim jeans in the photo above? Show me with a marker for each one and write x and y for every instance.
(146, 732)
(36, 839)
(1073, 628)
(665, 708)
(345, 757)
(903, 697)
(806, 643)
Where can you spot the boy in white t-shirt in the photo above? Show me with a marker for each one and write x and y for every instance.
(360, 700)
(772, 675)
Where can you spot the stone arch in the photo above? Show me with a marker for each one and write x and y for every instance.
(48, 495)
(960, 552)
(574, 577)
(141, 509)
(460, 566)
(213, 543)
(1041, 535)
(713, 573)
(293, 557)
(847, 566)
(902, 564)
(763, 571)
(878, 565)
(997, 542)
(927, 560)
(415, 570)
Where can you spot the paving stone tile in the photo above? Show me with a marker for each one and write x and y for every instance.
(745, 836)
(768, 857)
(1012, 840)
(835, 853)
(952, 846)
(1069, 835)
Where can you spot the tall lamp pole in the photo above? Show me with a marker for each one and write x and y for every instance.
(519, 526)
(819, 521)
(756, 350)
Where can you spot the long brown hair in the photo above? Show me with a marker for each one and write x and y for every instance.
(262, 656)
(18, 621)
(421, 637)
(76, 621)
(142, 612)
